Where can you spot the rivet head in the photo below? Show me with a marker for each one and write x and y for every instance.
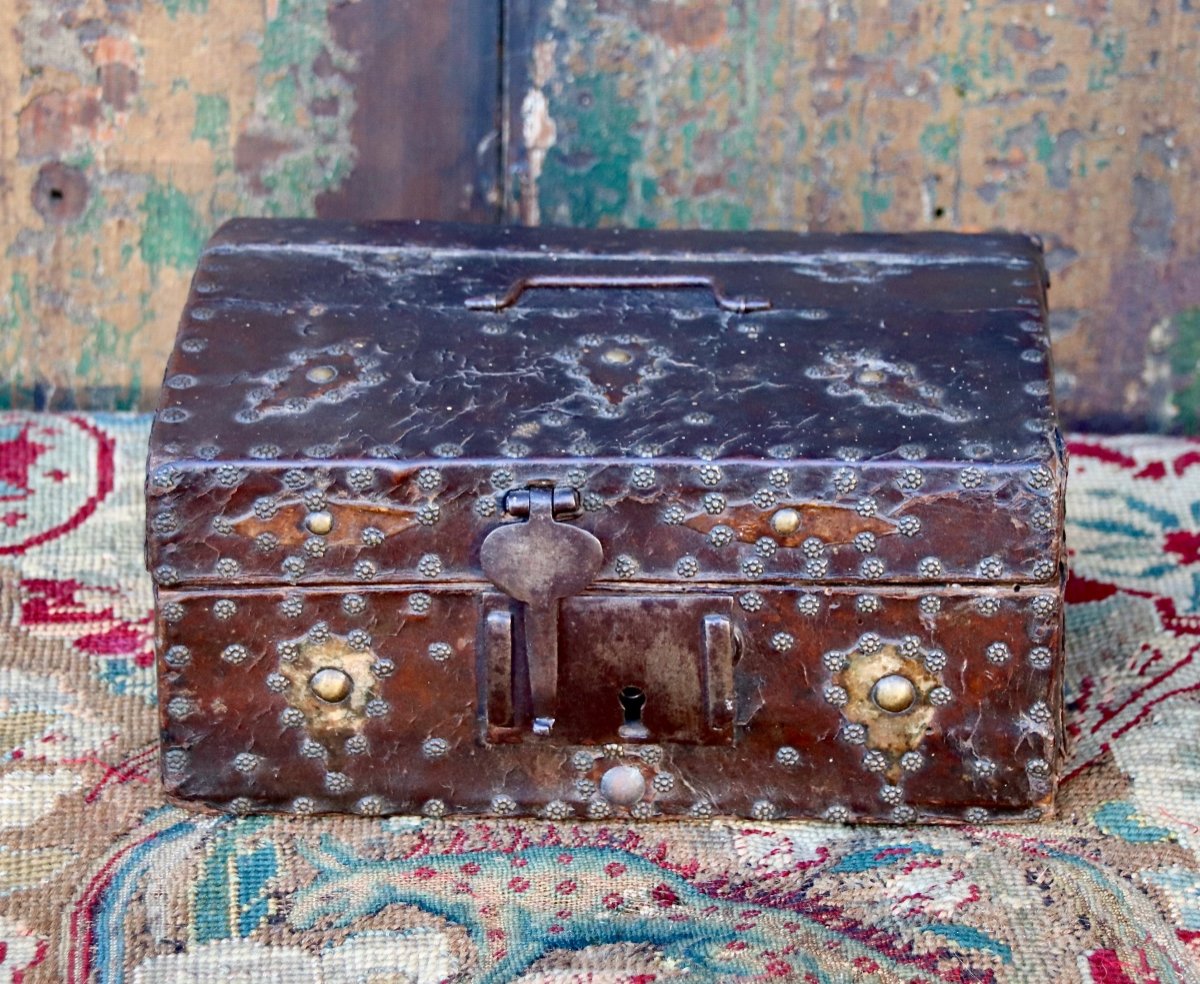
(321, 374)
(320, 522)
(330, 684)
(894, 693)
(785, 521)
(617, 356)
(623, 785)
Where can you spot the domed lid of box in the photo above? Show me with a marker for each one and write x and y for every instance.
(894, 392)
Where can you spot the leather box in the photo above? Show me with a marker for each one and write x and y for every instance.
(456, 520)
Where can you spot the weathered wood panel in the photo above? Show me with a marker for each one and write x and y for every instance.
(1076, 120)
(425, 125)
(129, 130)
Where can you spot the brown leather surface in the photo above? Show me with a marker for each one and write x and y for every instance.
(779, 506)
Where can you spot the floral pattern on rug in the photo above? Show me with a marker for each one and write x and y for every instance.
(100, 881)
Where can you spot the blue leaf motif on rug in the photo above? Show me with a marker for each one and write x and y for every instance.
(880, 857)
(231, 897)
(1120, 819)
(606, 897)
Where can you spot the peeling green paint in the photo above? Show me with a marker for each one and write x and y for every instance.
(976, 64)
(596, 189)
(940, 141)
(875, 202)
(321, 153)
(17, 311)
(294, 36)
(92, 220)
(1112, 51)
(1043, 144)
(1184, 357)
(175, 7)
(172, 233)
(212, 119)
(20, 304)
(281, 102)
(289, 184)
(82, 159)
(103, 345)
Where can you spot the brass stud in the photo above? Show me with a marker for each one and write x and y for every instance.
(330, 684)
(894, 693)
(623, 785)
(785, 521)
(320, 522)
(617, 357)
(321, 374)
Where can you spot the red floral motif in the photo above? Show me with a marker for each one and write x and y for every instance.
(664, 895)
(1081, 589)
(50, 603)
(1185, 544)
(1105, 968)
(18, 455)
(1153, 470)
(24, 445)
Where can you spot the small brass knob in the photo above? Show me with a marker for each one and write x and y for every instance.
(785, 521)
(319, 523)
(894, 693)
(321, 374)
(331, 685)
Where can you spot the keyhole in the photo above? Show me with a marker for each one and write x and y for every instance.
(632, 700)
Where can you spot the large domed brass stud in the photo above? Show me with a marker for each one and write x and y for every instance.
(894, 693)
(331, 685)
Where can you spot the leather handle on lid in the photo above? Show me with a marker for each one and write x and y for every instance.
(498, 302)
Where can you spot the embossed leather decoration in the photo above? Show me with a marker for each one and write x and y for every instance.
(447, 519)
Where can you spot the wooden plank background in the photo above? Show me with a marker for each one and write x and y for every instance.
(129, 129)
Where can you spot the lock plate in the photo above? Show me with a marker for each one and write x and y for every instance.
(646, 667)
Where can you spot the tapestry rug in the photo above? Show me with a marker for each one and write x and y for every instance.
(101, 881)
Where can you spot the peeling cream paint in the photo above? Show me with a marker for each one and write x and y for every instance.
(538, 131)
(89, 302)
(539, 134)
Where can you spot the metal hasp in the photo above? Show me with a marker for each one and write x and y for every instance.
(538, 562)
